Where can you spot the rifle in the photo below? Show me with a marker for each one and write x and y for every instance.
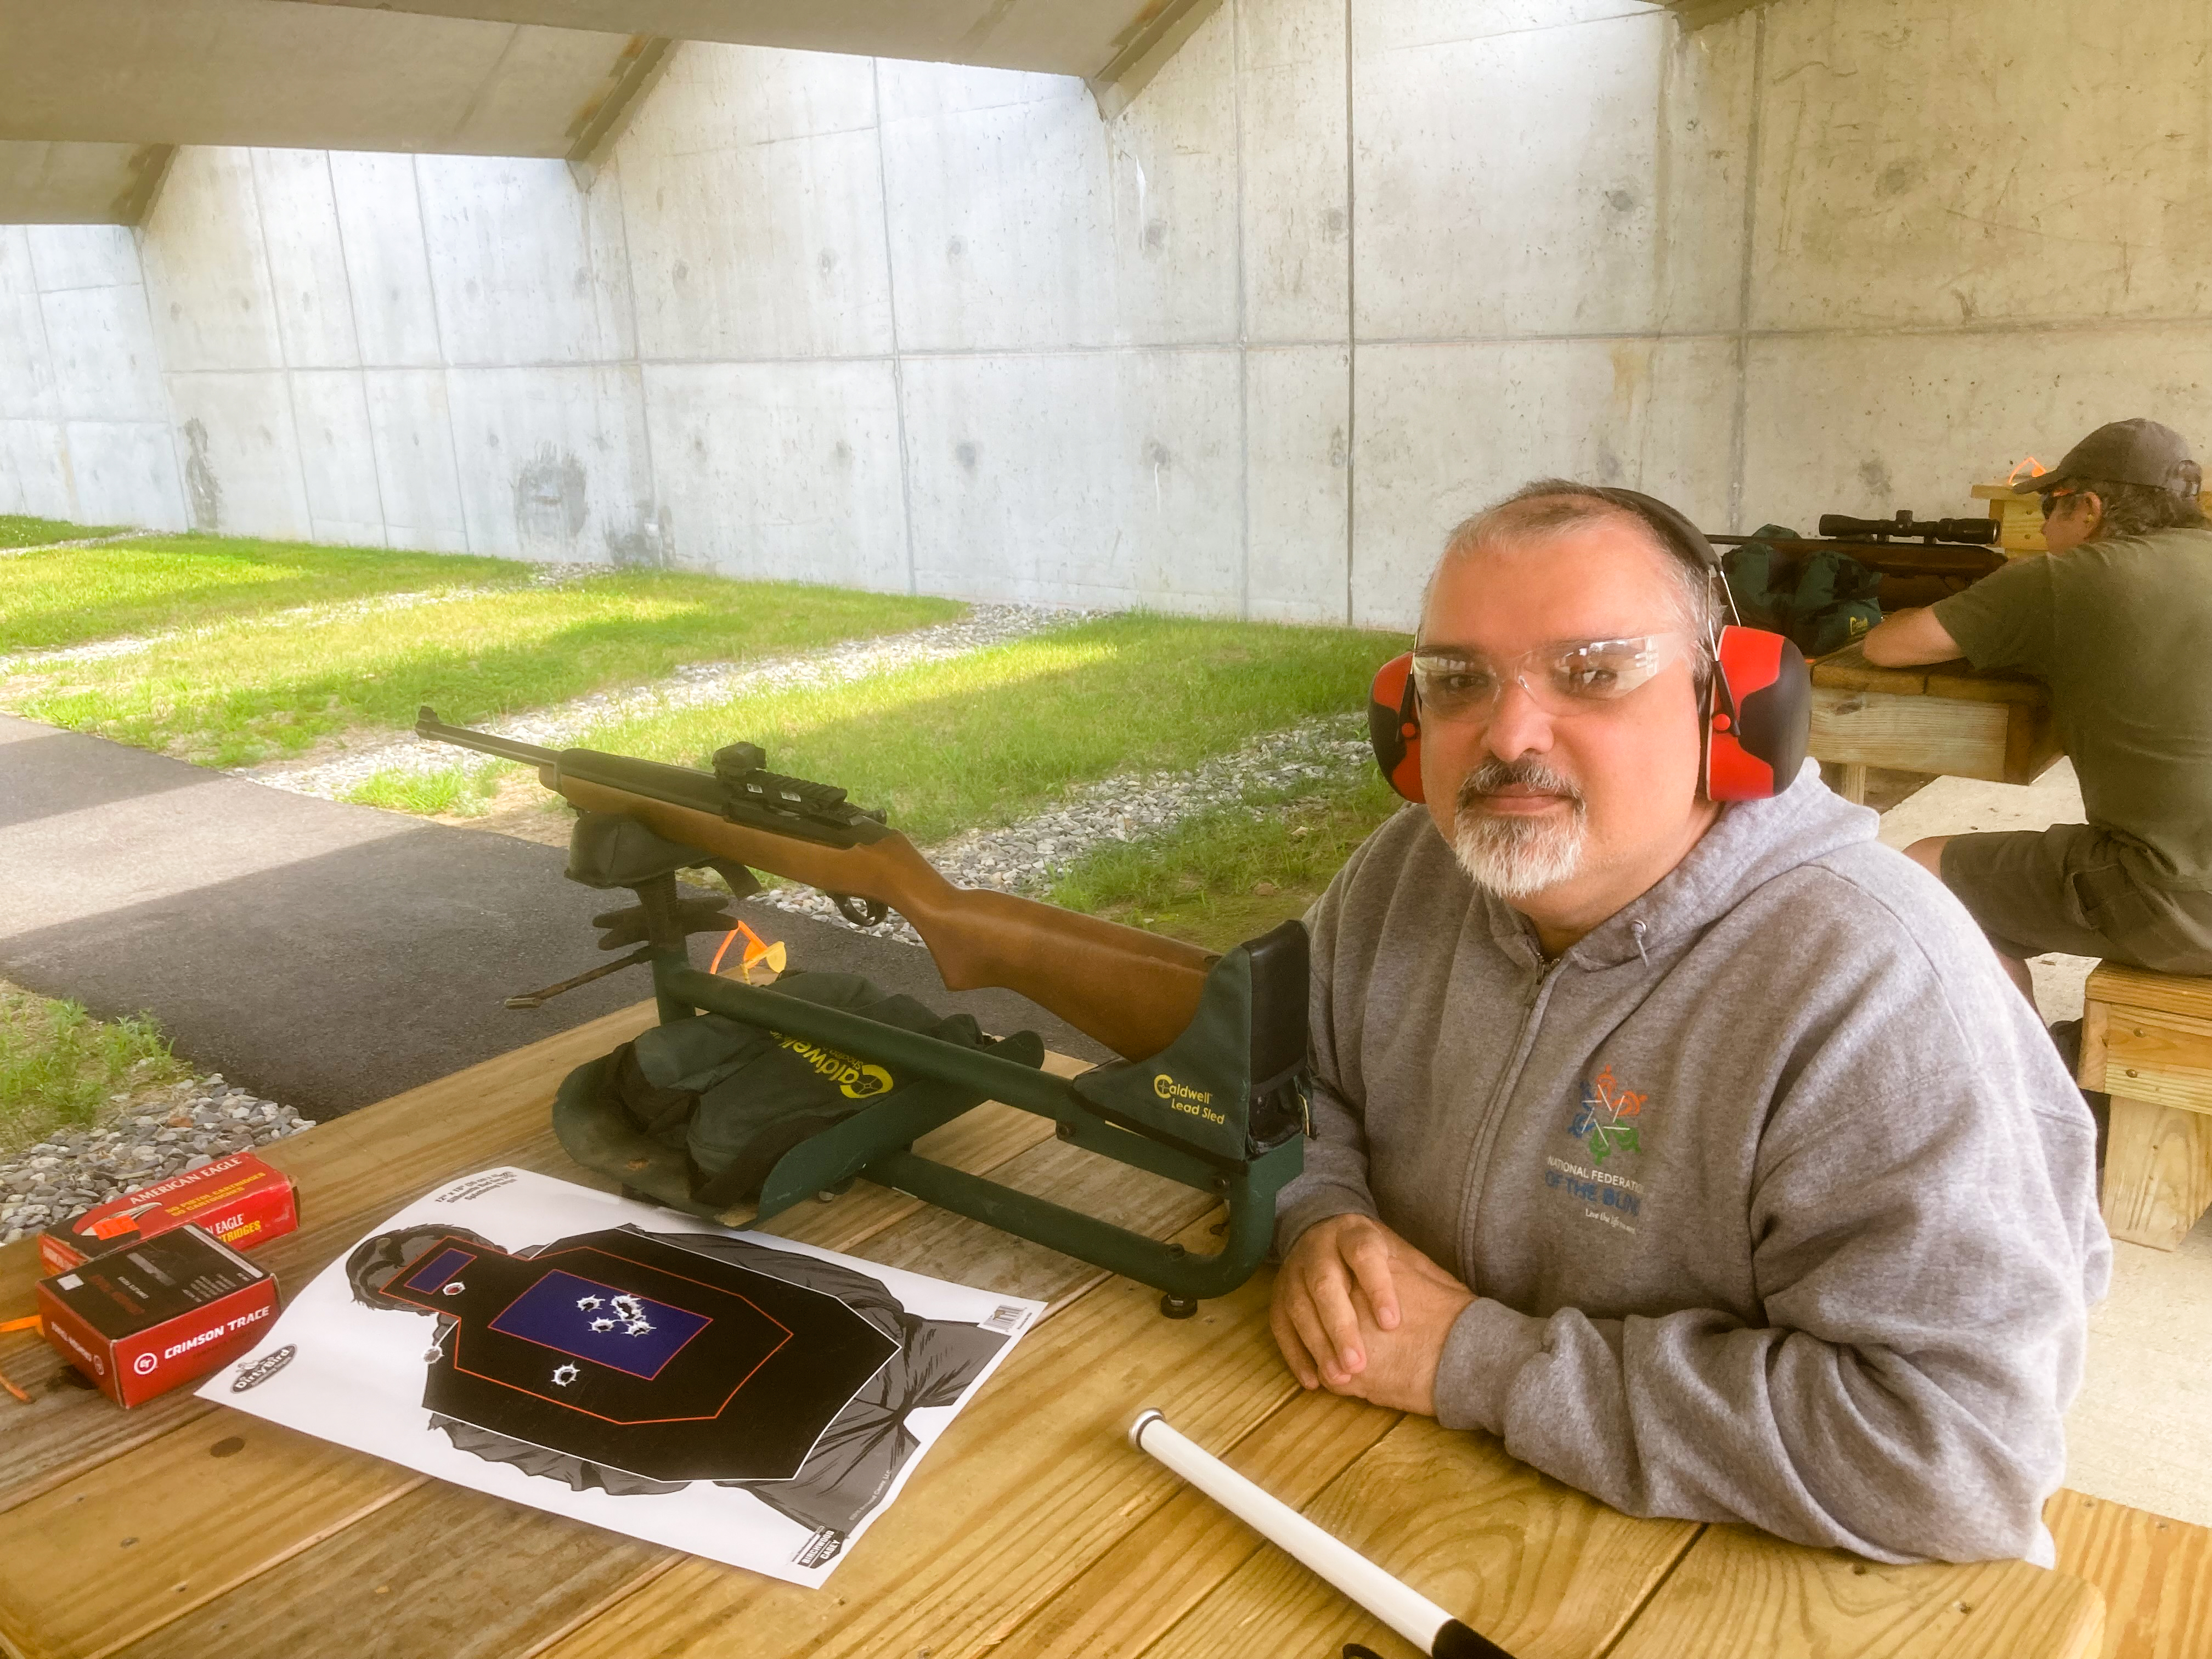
(1134, 992)
(1211, 1092)
(1954, 548)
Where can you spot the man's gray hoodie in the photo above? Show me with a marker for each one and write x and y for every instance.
(1777, 1203)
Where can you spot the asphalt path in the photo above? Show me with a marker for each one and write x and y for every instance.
(329, 956)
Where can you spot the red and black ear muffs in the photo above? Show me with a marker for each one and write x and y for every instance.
(1758, 706)
(1759, 717)
(1393, 725)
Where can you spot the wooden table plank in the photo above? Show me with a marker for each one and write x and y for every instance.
(108, 1503)
(493, 1113)
(1032, 1484)
(1740, 1591)
(2156, 1575)
(448, 1519)
(1540, 1569)
(2121, 985)
(1183, 1550)
(109, 1496)
(1947, 717)
(146, 1538)
(1910, 733)
(477, 1595)
(67, 1429)
(1848, 670)
(1956, 679)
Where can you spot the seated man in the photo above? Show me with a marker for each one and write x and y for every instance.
(1702, 1155)
(2114, 621)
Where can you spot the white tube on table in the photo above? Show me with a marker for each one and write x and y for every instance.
(1405, 1610)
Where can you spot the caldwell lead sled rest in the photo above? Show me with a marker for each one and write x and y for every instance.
(796, 1091)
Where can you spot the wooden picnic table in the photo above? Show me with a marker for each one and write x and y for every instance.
(1947, 719)
(183, 1528)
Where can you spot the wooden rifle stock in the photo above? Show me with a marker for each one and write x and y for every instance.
(1130, 990)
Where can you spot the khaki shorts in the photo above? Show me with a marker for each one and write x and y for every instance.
(2065, 889)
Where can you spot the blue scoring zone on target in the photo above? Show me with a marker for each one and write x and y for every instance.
(589, 1321)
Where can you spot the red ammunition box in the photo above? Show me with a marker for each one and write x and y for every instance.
(141, 1320)
(238, 1198)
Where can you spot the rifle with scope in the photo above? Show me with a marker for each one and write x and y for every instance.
(1899, 545)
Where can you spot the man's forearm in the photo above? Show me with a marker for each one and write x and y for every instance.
(1335, 1179)
(1696, 1416)
(1907, 638)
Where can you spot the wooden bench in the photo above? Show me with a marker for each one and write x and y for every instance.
(2146, 1041)
(1947, 719)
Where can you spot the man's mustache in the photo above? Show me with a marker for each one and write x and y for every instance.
(1494, 774)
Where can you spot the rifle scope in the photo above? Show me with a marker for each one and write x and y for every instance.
(1977, 532)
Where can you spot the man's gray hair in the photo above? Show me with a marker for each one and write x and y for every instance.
(1541, 510)
(2134, 509)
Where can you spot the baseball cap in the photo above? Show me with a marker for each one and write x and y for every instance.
(2137, 451)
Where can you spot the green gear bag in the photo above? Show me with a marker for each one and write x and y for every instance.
(1821, 600)
(733, 1098)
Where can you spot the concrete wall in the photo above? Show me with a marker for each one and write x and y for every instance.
(1248, 347)
(84, 427)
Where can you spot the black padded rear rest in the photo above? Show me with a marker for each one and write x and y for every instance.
(1281, 985)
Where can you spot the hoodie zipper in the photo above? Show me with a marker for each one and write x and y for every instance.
(1539, 995)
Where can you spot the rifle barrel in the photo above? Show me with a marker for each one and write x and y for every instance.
(427, 725)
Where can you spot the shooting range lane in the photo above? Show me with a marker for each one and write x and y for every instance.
(267, 930)
(1032, 1528)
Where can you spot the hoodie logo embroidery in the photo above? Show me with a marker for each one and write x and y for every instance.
(1600, 1118)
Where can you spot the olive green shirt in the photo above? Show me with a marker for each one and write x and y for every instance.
(2120, 631)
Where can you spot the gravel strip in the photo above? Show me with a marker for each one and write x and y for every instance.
(89, 541)
(1023, 856)
(74, 1169)
(689, 687)
(298, 615)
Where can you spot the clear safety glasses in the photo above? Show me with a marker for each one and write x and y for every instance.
(1564, 678)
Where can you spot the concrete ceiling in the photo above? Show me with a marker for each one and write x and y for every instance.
(1697, 14)
(269, 72)
(44, 183)
(94, 94)
(1063, 37)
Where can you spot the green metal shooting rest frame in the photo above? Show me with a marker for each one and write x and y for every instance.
(1100, 1111)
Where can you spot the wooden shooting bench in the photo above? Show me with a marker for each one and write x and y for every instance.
(1944, 720)
(182, 1529)
(1947, 719)
(2146, 1041)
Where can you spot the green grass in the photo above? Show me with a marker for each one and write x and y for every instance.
(20, 530)
(989, 737)
(453, 791)
(1228, 875)
(236, 692)
(72, 595)
(58, 1066)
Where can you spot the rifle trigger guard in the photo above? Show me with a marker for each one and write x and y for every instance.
(861, 913)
